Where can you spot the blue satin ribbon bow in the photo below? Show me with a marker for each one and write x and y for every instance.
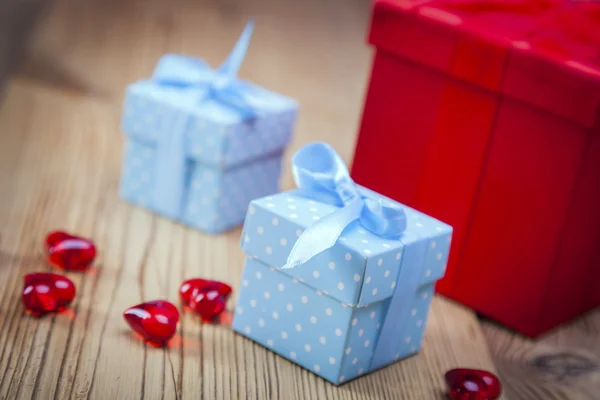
(221, 85)
(321, 174)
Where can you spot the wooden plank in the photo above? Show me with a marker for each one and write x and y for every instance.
(61, 158)
(564, 364)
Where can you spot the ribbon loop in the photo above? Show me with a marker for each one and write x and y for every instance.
(317, 168)
(383, 218)
(321, 174)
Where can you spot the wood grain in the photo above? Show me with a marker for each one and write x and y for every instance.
(564, 364)
(60, 160)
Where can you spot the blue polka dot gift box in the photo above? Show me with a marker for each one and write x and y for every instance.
(338, 278)
(201, 143)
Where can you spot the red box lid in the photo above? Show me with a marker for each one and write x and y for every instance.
(544, 52)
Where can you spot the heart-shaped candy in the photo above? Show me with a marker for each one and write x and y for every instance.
(69, 252)
(206, 297)
(46, 292)
(155, 320)
(472, 384)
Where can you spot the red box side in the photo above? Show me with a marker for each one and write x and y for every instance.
(593, 287)
(388, 159)
(426, 140)
(455, 161)
(573, 287)
(522, 207)
(423, 142)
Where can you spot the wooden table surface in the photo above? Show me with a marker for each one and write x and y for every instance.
(60, 160)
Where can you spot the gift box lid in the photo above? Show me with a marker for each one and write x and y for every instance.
(226, 120)
(361, 268)
(542, 52)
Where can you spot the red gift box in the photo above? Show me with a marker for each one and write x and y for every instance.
(485, 114)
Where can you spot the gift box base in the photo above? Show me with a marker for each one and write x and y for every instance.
(215, 200)
(334, 382)
(208, 229)
(316, 331)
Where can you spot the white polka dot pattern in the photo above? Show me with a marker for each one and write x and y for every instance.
(335, 305)
(252, 139)
(138, 161)
(215, 200)
(346, 271)
(216, 134)
(218, 187)
(319, 331)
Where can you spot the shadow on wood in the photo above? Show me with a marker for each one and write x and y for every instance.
(48, 71)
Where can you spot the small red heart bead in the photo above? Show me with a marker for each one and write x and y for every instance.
(207, 298)
(155, 320)
(69, 252)
(46, 292)
(53, 238)
(472, 384)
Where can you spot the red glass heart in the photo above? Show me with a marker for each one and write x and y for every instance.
(472, 384)
(46, 292)
(207, 298)
(69, 252)
(53, 238)
(155, 320)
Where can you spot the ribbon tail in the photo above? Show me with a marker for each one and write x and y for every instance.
(398, 311)
(323, 235)
(232, 64)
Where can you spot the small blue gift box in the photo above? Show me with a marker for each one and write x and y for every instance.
(338, 279)
(200, 143)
